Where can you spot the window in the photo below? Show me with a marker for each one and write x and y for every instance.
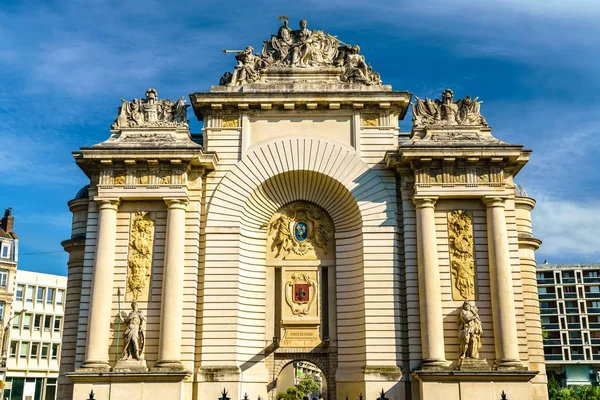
(594, 289)
(55, 351)
(595, 304)
(37, 322)
(17, 321)
(545, 320)
(29, 294)
(47, 322)
(60, 296)
(19, 295)
(2, 310)
(27, 321)
(34, 350)
(50, 299)
(44, 351)
(13, 349)
(57, 324)
(5, 253)
(542, 290)
(40, 295)
(592, 274)
(3, 277)
(24, 350)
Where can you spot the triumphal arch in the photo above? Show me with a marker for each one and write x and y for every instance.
(302, 225)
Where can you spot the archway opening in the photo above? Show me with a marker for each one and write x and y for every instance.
(301, 380)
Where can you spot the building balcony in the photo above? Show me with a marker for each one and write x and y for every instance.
(571, 295)
(575, 341)
(553, 357)
(552, 342)
(595, 325)
(596, 356)
(593, 310)
(547, 296)
(577, 357)
(546, 311)
(568, 280)
(546, 281)
(550, 327)
(572, 310)
(592, 295)
(574, 326)
(591, 280)
(594, 341)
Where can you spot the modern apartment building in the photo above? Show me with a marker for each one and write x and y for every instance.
(35, 336)
(570, 310)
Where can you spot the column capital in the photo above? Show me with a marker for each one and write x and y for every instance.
(493, 201)
(111, 203)
(176, 202)
(424, 202)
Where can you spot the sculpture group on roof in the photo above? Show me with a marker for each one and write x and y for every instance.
(301, 48)
(151, 112)
(447, 111)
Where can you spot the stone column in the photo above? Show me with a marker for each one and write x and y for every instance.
(171, 318)
(430, 293)
(501, 286)
(98, 330)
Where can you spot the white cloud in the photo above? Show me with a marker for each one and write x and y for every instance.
(568, 229)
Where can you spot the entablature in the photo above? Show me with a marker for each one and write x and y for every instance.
(240, 102)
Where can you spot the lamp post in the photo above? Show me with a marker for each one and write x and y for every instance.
(4, 344)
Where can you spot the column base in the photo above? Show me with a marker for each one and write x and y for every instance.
(94, 366)
(435, 365)
(168, 366)
(509, 365)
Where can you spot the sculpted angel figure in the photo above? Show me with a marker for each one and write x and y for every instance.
(134, 334)
(278, 48)
(282, 239)
(470, 331)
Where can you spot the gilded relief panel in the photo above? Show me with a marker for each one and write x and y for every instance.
(139, 259)
(300, 230)
(462, 255)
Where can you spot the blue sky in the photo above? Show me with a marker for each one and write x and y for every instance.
(65, 65)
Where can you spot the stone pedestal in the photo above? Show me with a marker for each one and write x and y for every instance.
(131, 366)
(472, 364)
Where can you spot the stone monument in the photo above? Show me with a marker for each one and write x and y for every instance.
(302, 225)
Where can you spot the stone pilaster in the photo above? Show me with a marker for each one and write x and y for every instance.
(169, 356)
(98, 330)
(501, 286)
(430, 295)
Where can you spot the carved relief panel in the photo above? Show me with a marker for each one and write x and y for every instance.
(300, 230)
(462, 255)
(139, 259)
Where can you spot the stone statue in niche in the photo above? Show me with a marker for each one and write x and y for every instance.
(151, 112)
(299, 229)
(462, 257)
(134, 335)
(447, 111)
(139, 263)
(469, 331)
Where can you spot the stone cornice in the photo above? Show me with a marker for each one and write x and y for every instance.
(208, 103)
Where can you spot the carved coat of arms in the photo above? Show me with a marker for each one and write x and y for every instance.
(299, 229)
(300, 293)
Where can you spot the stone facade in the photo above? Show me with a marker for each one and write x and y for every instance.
(305, 228)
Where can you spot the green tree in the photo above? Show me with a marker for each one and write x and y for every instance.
(308, 385)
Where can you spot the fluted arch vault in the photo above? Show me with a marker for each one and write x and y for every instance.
(325, 172)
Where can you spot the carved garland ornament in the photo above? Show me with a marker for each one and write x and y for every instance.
(300, 293)
(300, 229)
(462, 259)
(139, 264)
